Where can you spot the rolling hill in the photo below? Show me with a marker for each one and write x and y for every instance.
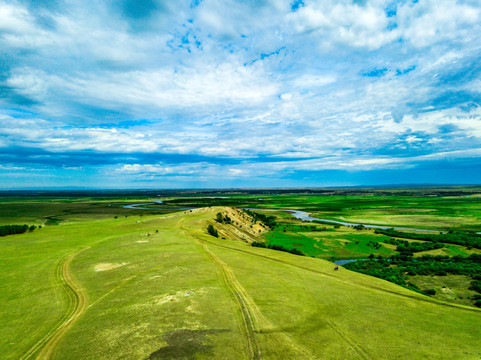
(160, 287)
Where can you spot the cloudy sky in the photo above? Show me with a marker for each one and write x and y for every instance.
(253, 93)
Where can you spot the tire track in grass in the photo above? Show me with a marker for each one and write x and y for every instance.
(238, 292)
(251, 314)
(77, 303)
(356, 347)
(365, 286)
(235, 288)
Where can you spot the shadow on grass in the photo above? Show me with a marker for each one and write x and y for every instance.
(185, 344)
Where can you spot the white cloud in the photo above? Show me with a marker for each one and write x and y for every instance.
(344, 23)
(431, 21)
(244, 80)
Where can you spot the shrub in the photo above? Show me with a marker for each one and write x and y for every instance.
(259, 244)
(212, 231)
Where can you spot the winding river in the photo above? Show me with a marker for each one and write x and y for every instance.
(302, 215)
(298, 214)
(137, 206)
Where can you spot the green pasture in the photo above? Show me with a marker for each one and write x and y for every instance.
(436, 209)
(343, 242)
(452, 288)
(433, 209)
(424, 212)
(159, 287)
(52, 211)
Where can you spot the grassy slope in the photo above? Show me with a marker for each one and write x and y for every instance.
(347, 315)
(172, 299)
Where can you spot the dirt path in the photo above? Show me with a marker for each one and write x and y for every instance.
(254, 320)
(236, 290)
(77, 303)
(372, 287)
(356, 347)
(239, 293)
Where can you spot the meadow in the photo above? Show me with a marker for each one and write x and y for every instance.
(433, 208)
(106, 282)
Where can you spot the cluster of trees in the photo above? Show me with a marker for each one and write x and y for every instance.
(223, 219)
(336, 226)
(310, 228)
(404, 246)
(464, 238)
(314, 228)
(476, 284)
(398, 268)
(278, 248)
(270, 221)
(15, 229)
(212, 231)
(373, 244)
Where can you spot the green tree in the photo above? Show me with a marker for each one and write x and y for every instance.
(212, 231)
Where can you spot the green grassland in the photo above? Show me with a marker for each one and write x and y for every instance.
(49, 210)
(436, 209)
(452, 288)
(344, 242)
(339, 243)
(432, 208)
(157, 286)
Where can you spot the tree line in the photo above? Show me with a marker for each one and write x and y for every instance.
(464, 238)
(278, 248)
(15, 229)
(270, 221)
(404, 246)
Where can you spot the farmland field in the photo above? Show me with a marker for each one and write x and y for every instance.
(100, 281)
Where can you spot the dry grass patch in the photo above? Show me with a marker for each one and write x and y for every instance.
(108, 266)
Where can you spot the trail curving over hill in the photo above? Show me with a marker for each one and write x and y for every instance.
(372, 287)
(77, 303)
(255, 322)
(237, 291)
(232, 281)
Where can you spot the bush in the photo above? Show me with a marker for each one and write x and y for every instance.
(476, 286)
(259, 244)
(278, 248)
(212, 231)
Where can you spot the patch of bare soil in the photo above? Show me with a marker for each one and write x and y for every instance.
(108, 266)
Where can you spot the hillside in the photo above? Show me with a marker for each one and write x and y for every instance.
(160, 287)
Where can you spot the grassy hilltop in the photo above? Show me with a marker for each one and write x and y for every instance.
(160, 287)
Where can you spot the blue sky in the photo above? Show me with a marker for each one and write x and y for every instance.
(221, 93)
